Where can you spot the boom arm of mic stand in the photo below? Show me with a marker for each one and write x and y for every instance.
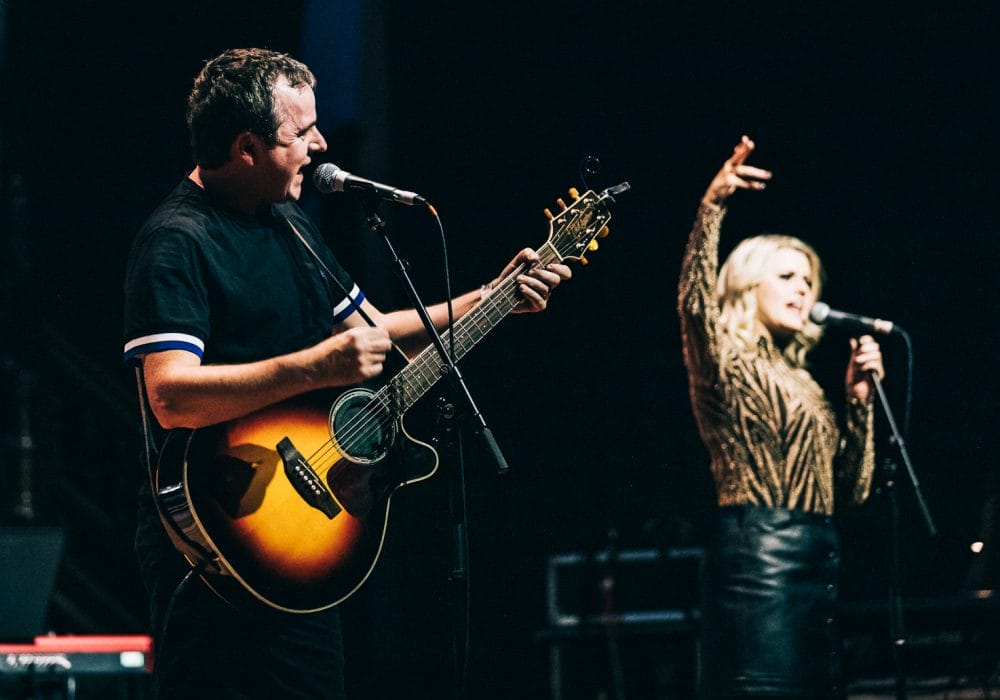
(370, 205)
(897, 440)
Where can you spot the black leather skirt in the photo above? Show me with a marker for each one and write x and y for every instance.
(769, 590)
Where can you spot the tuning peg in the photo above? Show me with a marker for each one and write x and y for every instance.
(584, 261)
(548, 214)
(574, 193)
(603, 233)
(562, 204)
(592, 245)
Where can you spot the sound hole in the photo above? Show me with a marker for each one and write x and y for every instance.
(363, 429)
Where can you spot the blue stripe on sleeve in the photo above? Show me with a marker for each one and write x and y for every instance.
(136, 348)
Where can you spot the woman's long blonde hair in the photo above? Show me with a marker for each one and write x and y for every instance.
(736, 294)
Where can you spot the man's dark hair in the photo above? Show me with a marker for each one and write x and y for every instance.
(235, 93)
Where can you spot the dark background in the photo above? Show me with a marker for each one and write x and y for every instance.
(880, 126)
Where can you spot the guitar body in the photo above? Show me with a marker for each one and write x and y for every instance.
(230, 504)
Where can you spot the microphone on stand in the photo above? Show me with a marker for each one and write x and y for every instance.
(330, 178)
(822, 314)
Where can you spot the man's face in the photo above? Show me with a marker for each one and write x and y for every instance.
(296, 139)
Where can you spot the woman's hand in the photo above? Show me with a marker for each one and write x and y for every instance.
(734, 175)
(866, 359)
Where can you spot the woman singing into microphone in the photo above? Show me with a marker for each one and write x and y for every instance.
(779, 460)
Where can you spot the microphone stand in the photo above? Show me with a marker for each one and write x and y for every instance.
(896, 623)
(449, 369)
(448, 419)
(458, 593)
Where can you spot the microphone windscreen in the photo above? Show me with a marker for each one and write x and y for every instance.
(325, 178)
(819, 312)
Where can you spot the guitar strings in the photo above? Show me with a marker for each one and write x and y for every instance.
(368, 423)
(378, 414)
(371, 421)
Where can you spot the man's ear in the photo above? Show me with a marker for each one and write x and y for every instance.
(245, 148)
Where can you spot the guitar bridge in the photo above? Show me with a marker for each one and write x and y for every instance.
(305, 481)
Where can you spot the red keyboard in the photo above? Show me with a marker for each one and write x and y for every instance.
(71, 654)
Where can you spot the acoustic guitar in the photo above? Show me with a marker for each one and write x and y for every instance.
(291, 503)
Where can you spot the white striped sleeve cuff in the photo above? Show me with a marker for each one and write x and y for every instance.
(137, 347)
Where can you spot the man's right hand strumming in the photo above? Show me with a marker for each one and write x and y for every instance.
(352, 356)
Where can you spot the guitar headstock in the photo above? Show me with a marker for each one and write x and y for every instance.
(575, 229)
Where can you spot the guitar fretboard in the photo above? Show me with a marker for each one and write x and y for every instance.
(424, 371)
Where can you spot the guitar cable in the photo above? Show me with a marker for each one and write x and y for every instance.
(164, 624)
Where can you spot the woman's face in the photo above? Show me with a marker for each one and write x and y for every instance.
(785, 294)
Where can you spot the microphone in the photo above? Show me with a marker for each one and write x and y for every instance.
(330, 178)
(822, 313)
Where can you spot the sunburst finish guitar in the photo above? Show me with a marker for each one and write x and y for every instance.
(292, 502)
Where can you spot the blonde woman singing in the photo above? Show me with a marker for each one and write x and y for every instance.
(779, 458)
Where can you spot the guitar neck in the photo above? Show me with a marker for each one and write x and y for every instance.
(424, 371)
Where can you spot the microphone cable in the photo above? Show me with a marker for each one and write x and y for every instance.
(908, 400)
(460, 553)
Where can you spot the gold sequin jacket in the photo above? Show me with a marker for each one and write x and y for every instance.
(772, 436)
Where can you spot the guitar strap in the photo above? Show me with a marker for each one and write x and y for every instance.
(198, 558)
(147, 433)
(329, 273)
